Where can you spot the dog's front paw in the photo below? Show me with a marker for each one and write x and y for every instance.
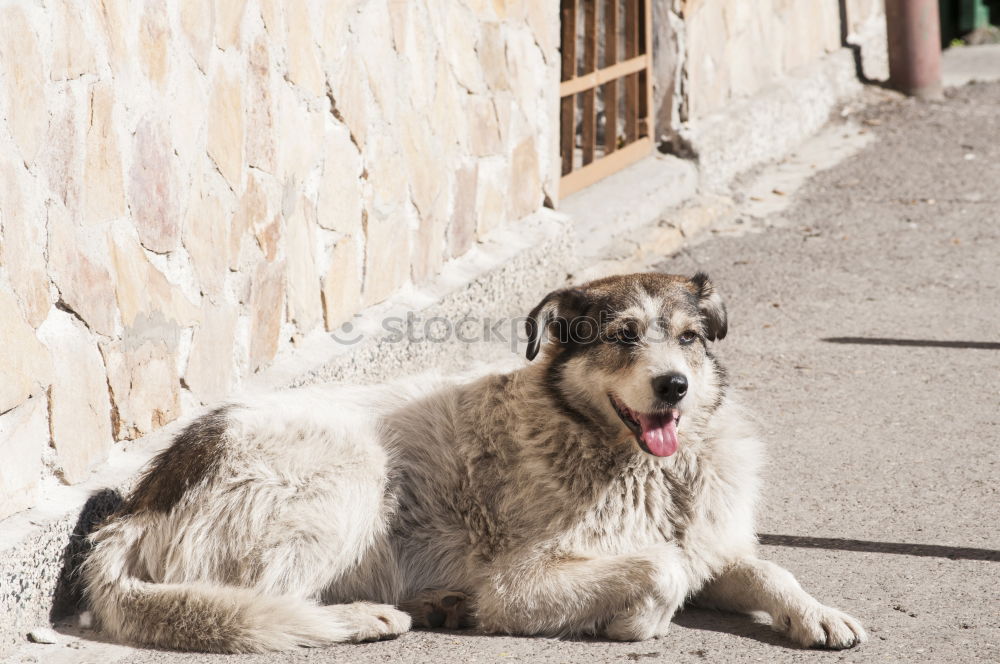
(821, 626)
(647, 620)
(370, 622)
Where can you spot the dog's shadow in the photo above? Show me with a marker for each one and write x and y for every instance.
(737, 624)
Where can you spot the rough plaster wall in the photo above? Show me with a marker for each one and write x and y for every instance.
(187, 186)
(866, 33)
(736, 48)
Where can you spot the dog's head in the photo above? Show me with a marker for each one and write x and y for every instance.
(631, 351)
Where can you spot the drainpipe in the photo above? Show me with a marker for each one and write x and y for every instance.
(914, 35)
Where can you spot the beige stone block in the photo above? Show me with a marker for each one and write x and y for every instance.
(304, 306)
(387, 240)
(24, 83)
(141, 290)
(492, 53)
(229, 21)
(525, 180)
(342, 284)
(154, 36)
(531, 80)
(737, 16)
(828, 23)
(462, 232)
(22, 248)
(350, 95)
(142, 376)
(449, 109)
(544, 23)
(209, 373)
(273, 16)
(387, 248)
(153, 190)
(24, 361)
(79, 407)
(458, 41)
(387, 177)
(304, 69)
(253, 219)
(301, 144)
(77, 270)
(266, 309)
(24, 433)
(72, 51)
(336, 28)
(260, 133)
(226, 125)
(492, 195)
(62, 160)
(206, 233)
(269, 235)
(103, 179)
(401, 17)
(339, 203)
(816, 30)
(197, 21)
(416, 54)
(429, 247)
(111, 15)
(504, 107)
(188, 131)
(484, 128)
(419, 150)
(381, 63)
(479, 7)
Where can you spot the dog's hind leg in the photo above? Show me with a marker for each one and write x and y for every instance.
(232, 559)
(757, 585)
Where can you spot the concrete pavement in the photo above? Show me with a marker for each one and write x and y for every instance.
(864, 333)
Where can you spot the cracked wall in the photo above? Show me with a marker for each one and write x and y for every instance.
(188, 187)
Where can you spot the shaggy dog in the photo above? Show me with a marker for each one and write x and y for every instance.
(591, 492)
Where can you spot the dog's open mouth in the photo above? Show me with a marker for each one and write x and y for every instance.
(656, 433)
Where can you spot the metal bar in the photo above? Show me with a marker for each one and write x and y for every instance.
(611, 87)
(647, 73)
(602, 76)
(631, 81)
(913, 30)
(567, 121)
(589, 133)
(603, 167)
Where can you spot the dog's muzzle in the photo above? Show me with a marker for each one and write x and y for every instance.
(656, 433)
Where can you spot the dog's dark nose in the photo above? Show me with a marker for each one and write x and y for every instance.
(670, 388)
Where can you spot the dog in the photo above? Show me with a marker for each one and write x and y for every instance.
(590, 493)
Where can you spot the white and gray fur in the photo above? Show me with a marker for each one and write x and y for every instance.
(520, 503)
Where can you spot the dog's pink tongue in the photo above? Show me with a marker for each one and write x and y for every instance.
(659, 432)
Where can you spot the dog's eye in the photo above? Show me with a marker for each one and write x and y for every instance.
(688, 337)
(627, 334)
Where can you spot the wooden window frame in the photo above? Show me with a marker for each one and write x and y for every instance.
(633, 74)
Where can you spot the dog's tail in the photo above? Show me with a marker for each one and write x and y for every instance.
(195, 616)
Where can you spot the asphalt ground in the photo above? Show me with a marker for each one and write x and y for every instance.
(864, 334)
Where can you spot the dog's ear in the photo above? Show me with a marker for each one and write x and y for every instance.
(557, 309)
(713, 310)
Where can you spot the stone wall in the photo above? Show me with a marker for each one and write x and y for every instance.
(188, 186)
(733, 49)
